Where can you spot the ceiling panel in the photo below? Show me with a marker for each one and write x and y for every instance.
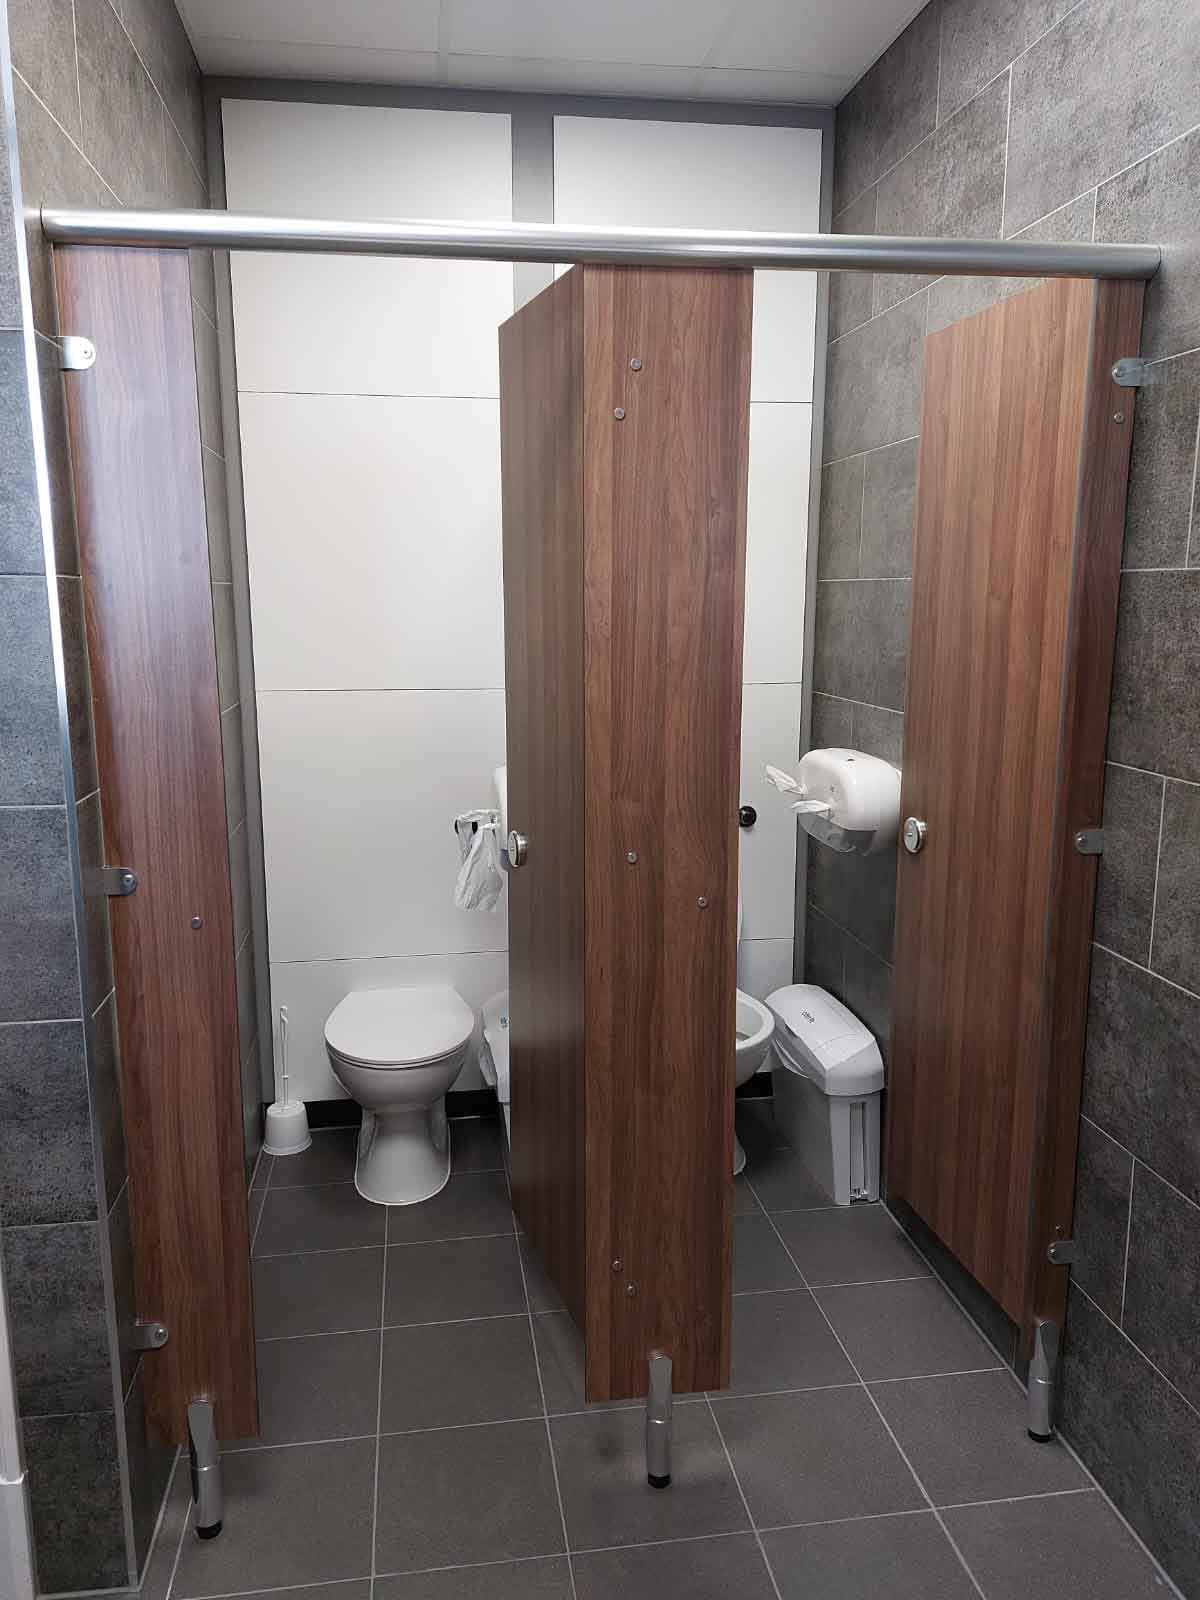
(377, 24)
(257, 58)
(829, 36)
(661, 31)
(751, 84)
(570, 77)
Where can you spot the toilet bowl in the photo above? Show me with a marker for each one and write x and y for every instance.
(755, 1028)
(396, 1052)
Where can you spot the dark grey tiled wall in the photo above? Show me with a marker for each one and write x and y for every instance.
(1056, 119)
(108, 110)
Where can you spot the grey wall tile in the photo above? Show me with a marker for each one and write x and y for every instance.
(252, 1104)
(225, 638)
(891, 108)
(879, 733)
(1136, 1434)
(150, 1464)
(1155, 717)
(862, 640)
(57, 1315)
(951, 299)
(824, 951)
(47, 1165)
(857, 892)
(162, 42)
(1102, 1182)
(20, 524)
(75, 1498)
(888, 511)
(850, 293)
(58, 456)
(1125, 888)
(208, 383)
(79, 686)
(1162, 472)
(39, 974)
(42, 36)
(98, 936)
(182, 183)
(1176, 952)
(832, 722)
(10, 290)
(120, 1249)
(246, 996)
(1133, 74)
(233, 762)
(978, 41)
(951, 185)
(216, 511)
(1156, 201)
(868, 991)
(841, 518)
(239, 883)
(1142, 1073)
(873, 382)
(106, 1092)
(122, 113)
(31, 762)
(1162, 1293)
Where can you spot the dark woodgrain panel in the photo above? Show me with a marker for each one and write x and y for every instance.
(665, 508)
(1001, 430)
(139, 492)
(1095, 590)
(541, 440)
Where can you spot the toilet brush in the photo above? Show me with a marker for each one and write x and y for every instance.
(287, 1120)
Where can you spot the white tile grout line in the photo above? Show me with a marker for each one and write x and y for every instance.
(537, 1362)
(1162, 817)
(941, 1521)
(737, 1483)
(1128, 1238)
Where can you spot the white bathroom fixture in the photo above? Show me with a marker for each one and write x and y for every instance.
(397, 1051)
(286, 1131)
(847, 799)
(755, 1026)
(827, 1096)
(493, 1052)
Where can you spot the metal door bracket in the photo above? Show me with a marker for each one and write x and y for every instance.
(112, 881)
(1061, 1252)
(1090, 841)
(1043, 1375)
(76, 354)
(658, 1422)
(149, 1335)
(1132, 372)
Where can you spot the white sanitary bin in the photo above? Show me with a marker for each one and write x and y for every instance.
(827, 1091)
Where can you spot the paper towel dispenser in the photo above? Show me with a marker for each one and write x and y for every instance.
(846, 799)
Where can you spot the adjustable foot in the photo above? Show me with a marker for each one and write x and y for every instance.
(658, 1423)
(1043, 1378)
(206, 1469)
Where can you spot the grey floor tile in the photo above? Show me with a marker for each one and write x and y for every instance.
(759, 1260)
(966, 1439)
(904, 1330)
(541, 1578)
(332, 1217)
(783, 1183)
(601, 1461)
(560, 1356)
(470, 1206)
(346, 1589)
(324, 1386)
(543, 1296)
(443, 1375)
(745, 1201)
(262, 1171)
(476, 1144)
(461, 1495)
(701, 1569)
(903, 1557)
(1053, 1548)
(852, 1244)
(291, 1517)
(756, 1127)
(328, 1159)
(332, 1291)
(456, 1278)
(781, 1341)
(814, 1457)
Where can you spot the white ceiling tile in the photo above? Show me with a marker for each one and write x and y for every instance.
(765, 86)
(343, 64)
(588, 30)
(823, 36)
(378, 24)
(570, 77)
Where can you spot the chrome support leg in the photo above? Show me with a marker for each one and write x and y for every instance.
(206, 1469)
(1043, 1378)
(658, 1422)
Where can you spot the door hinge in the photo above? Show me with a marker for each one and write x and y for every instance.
(76, 353)
(112, 881)
(1090, 841)
(1060, 1252)
(1132, 372)
(149, 1335)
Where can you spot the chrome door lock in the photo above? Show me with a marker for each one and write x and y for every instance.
(914, 834)
(518, 849)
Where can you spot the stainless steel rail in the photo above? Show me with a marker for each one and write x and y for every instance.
(561, 242)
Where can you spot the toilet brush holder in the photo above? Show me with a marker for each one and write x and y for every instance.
(287, 1128)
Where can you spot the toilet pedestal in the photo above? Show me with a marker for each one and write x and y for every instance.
(403, 1156)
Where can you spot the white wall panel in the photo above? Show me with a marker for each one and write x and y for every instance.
(359, 795)
(776, 545)
(770, 733)
(311, 989)
(374, 542)
(764, 965)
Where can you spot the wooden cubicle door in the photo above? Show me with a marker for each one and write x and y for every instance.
(1024, 456)
(624, 428)
(143, 550)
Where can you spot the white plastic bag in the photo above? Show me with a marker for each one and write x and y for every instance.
(480, 881)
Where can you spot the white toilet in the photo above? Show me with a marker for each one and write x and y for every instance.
(397, 1051)
(755, 1026)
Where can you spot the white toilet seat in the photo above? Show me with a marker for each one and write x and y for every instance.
(397, 1028)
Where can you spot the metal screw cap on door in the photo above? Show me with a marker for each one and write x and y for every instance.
(914, 835)
(518, 849)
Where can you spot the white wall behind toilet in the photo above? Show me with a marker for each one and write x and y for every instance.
(368, 392)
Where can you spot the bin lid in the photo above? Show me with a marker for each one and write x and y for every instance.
(818, 1038)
